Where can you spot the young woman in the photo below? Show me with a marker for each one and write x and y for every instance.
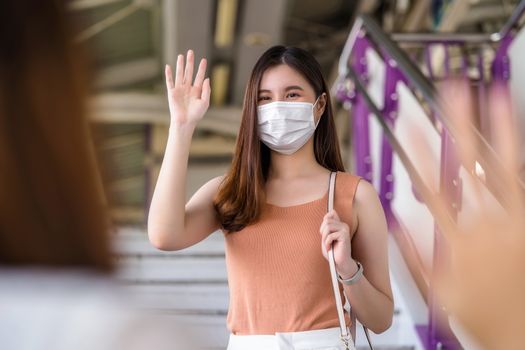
(271, 206)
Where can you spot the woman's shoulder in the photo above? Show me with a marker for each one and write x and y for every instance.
(210, 188)
(215, 182)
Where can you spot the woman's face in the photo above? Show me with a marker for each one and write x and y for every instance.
(283, 83)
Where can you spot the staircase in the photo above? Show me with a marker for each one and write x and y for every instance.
(191, 286)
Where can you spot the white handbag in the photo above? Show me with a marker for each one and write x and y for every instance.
(347, 337)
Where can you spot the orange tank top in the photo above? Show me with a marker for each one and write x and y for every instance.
(278, 278)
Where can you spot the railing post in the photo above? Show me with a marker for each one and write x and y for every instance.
(390, 108)
(361, 114)
(484, 118)
(501, 63)
(499, 92)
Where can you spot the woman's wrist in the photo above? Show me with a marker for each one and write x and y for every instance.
(355, 277)
(186, 128)
(348, 270)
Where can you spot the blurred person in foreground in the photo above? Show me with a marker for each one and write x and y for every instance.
(56, 288)
(484, 288)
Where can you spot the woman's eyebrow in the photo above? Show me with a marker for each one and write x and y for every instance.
(294, 87)
(288, 88)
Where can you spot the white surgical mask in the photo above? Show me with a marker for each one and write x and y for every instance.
(285, 127)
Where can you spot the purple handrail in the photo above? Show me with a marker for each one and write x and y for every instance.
(366, 34)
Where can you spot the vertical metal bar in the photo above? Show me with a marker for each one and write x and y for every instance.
(464, 60)
(484, 118)
(361, 139)
(499, 89)
(361, 114)
(431, 76)
(501, 63)
(392, 77)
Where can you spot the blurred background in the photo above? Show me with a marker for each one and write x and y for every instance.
(132, 40)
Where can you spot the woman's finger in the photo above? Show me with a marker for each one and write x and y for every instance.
(335, 215)
(188, 73)
(329, 215)
(338, 225)
(327, 242)
(335, 222)
(331, 238)
(327, 239)
(179, 71)
(458, 96)
(206, 90)
(334, 236)
(327, 227)
(506, 143)
(169, 77)
(325, 231)
(323, 225)
(423, 156)
(201, 73)
(322, 228)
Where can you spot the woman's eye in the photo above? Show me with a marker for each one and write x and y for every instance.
(292, 95)
(264, 98)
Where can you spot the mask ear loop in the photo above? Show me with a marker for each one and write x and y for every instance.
(313, 106)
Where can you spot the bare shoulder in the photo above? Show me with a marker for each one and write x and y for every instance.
(365, 192)
(206, 192)
(216, 182)
(369, 210)
(366, 201)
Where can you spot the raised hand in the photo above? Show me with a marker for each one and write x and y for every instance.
(187, 102)
(484, 287)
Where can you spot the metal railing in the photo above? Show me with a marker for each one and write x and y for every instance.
(387, 48)
(366, 34)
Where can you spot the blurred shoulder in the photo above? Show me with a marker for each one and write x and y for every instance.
(214, 184)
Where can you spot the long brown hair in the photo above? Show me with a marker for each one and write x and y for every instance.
(52, 208)
(241, 196)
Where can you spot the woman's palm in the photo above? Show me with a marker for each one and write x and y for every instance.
(187, 102)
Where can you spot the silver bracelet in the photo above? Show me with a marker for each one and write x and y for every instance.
(355, 278)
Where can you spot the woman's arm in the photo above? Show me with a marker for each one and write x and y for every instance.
(371, 297)
(172, 225)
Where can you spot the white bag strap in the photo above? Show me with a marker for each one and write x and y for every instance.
(331, 261)
(346, 337)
